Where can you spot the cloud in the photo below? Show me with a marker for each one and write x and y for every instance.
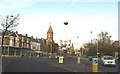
(11, 7)
(31, 1)
(74, 0)
(37, 25)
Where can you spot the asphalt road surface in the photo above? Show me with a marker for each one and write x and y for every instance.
(52, 65)
(31, 65)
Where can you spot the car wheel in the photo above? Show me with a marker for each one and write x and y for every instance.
(113, 65)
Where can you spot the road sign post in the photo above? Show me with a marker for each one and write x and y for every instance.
(61, 59)
(95, 64)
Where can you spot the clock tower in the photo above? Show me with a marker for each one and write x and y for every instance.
(49, 36)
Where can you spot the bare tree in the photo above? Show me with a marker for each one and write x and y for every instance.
(8, 23)
(105, 46)
(104, 43)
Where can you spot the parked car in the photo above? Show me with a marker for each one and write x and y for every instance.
(105, 56)
(108, 60)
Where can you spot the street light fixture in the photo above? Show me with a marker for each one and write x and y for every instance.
(51, 50)
(97, 47)
(97, 44)
(66, 23)
(51, 47)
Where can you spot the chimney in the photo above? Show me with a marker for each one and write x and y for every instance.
(20, 34)
(26, 35)
(31, 37)
(16, 32)
(36, 38)
(41, 38)
(44, 39)
(117, 43)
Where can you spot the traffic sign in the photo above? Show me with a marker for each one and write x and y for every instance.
(61, 59)
(96, 61)
(95, 64)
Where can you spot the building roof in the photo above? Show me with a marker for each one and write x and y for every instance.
(21, 35)
(43, 40)
(50, 29)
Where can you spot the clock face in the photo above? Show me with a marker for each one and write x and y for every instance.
(49, 36)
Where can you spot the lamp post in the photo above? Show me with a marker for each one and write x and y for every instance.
(51, 47)
(8, 45)
(66, 23)
(9, 41)
(51, 50)
(97, 47)
(78, 47)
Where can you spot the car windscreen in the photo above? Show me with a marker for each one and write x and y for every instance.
(108, 58)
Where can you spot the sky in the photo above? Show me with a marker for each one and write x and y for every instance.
(83, 16)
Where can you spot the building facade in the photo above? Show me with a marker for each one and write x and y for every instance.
(17, 44)
(49, 40)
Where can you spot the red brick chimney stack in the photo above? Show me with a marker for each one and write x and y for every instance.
(117, 43)
(26, 35)
(31, 37)
(36, 38)
(16, 32)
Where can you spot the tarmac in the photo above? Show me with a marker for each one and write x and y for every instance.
(71, 65)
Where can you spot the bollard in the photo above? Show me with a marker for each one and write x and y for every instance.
(61, 59)
(95, 64)
(78, 59)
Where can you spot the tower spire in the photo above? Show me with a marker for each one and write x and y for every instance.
(50, 29)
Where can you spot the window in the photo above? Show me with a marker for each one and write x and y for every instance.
(31, 47)
(27, 45)
(11, 43)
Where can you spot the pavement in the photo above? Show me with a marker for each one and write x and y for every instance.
(84, 66)
(71, 65)
(0, 65)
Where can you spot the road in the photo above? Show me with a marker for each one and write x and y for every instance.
(102, 68)
(52, 65)
(31, 65)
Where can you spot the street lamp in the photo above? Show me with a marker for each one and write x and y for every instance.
(51, 47)
(66, 23)
(97, 43)
(97, 47)
(78, 47)
(9, 41)
(51, 50)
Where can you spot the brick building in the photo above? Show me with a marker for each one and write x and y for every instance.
(117, 44)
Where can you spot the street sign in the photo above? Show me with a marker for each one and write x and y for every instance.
(94, 64)
(61, 59)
